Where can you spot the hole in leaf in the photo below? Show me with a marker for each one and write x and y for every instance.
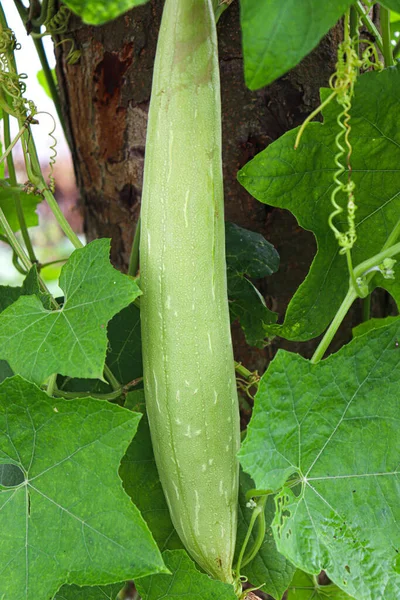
(11, 475)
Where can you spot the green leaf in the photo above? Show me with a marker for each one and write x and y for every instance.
(185, 581)
(325, 437)
(69, 521)
(277, 35)
(249, 253)
(103, 592)
(41, 77)
(391, 4)
(72, 340)
(269, 569)
(5, 370)
(10, 294)
(140, 479)
(29, 204)
(248, 306)
(302, 181)
(124, 354)
(304, 587)
(372, 324)
(94, 12)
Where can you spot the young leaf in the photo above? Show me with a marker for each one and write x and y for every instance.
(69, 520)
(94, 12)
(305, 587)
(185, 581)
(140, 479)
(41, 77)
(269, 569)
(326, 436)
(248, 253)
(72, 340)
(302, 181)
(277, 35)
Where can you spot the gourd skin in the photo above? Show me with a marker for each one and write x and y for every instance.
(189, 376)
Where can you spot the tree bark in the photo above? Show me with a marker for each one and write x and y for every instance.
(105, 101)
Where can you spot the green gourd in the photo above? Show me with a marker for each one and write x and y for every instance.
(189, 373)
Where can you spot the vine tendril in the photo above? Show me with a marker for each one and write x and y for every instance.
(56, 23)
(341, 83)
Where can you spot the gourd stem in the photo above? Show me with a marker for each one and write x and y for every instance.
(386, 37)
(257, 512)
(376, 260)
(260, 534)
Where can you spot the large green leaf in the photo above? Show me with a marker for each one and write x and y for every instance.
(185, 581)
(302, 181)
(278, 34)
(72, 340)
(305, 587)
(269, 570)
(366, 326)
(248, 253)
(140, 479)
(325, 437)
(74, 592)
(94, 12)
(69, 520)
(392, 4)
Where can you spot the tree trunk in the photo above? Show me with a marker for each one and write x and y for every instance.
(105, 102)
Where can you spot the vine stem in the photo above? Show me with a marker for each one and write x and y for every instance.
(50, 81)
(33, 165)
(377, 259)
(334, 326)
(62, 221)
(369, 24)
(366, 308)
(386, 37)
(14, 243)
(351, 295)
(13, 180)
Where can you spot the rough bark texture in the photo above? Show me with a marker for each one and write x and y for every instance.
(105, 100)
